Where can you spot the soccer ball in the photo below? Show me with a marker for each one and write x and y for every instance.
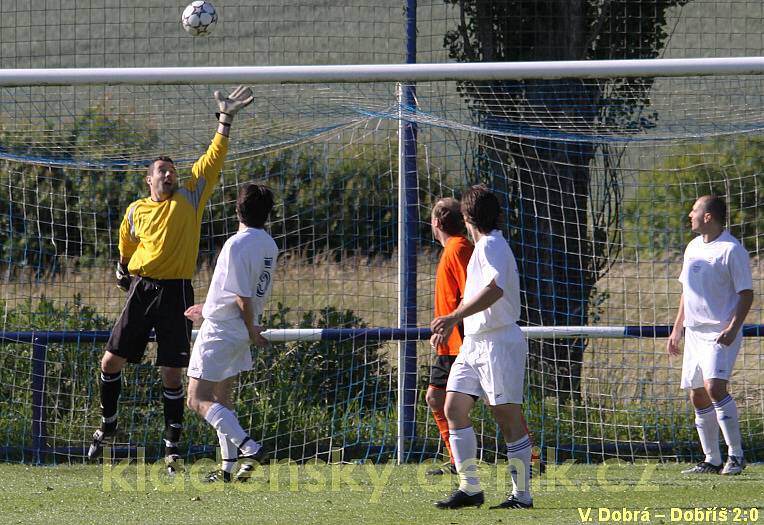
(199, 17)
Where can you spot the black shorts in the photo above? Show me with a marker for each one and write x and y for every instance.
(158, 305)
(440, 369)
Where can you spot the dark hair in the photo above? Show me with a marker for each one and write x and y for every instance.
(449, 214)
(715, 205)
(481, 208)
(163, 157)
(254, 204)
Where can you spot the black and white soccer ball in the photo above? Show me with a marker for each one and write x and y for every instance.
(199, 17)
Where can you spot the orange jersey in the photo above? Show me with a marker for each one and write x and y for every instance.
(449, 287)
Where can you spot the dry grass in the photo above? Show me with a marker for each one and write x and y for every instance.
(634, 369)
(638, 293)
(368, 287)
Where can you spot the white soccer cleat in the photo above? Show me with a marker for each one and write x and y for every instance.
(734, 466)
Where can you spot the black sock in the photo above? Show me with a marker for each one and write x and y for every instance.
(174, 402)
(111, 386)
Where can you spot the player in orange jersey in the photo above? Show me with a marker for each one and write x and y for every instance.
(449, 230)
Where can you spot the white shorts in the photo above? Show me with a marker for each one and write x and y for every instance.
(704, 358)
(491, 366)
(221, 350)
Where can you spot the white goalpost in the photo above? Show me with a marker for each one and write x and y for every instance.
(353, 73)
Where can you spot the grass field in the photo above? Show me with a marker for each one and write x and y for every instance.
(370, 494)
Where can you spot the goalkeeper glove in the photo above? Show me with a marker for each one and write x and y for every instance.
(228, 106)
(123, 277)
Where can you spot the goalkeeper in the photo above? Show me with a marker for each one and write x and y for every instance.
(240, 287)
(158, 246)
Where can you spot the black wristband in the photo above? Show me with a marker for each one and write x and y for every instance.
(219, 113)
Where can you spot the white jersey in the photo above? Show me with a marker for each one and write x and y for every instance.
(245, 268)
(712, 275)
(492, 260)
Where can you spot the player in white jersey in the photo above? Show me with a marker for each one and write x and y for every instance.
(491, 361)
(240, 287)
(717, 293)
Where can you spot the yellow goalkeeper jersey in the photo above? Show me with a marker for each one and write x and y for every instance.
(162, 238)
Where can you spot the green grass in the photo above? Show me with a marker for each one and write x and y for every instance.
(362, 494)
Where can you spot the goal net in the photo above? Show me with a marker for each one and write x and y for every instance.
(597, 175)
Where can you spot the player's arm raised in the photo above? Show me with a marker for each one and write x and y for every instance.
(230, 105)
(205, 173)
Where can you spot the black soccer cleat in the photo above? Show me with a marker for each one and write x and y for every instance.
(512, 502)
(448, 468)
(460, 499)
(703, 468)
(173, 463)
(100, 438)
(218, 475)
(248, 464)
(244, 473)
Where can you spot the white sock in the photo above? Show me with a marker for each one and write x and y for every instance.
(726, 414)
(225, 422)
(708, 432)
(229, 453)
(464, 448)
(520, 452)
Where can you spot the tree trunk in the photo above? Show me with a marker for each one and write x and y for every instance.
(547, 181)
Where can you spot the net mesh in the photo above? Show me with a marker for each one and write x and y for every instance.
(597, 177)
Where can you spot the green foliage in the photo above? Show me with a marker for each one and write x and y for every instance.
(597, 300)
(323, 202)
(328, 202)
(70, 368)
(318, 389)
(318, 394)
(517, 29)
(44, 314)
(118, 139)
(728, 167)
(348, 206)
(321, 373)
(74, 214)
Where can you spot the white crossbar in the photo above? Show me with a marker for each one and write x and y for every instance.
(385, 72)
